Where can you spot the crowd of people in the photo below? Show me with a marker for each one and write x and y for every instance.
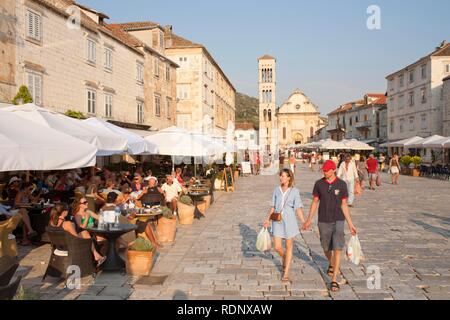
(78, 195)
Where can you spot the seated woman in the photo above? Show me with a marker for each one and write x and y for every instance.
(58, 218)
(152, 195)
(137, 184)
(92, 190)
(84, 218)
(178, 175)
(25, 197)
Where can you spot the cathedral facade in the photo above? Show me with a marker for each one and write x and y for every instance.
(298, 120)
(294, 122)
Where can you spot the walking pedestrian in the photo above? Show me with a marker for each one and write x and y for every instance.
(349, 174)
(362, 172)
(394, 169)
(281, 160)
(313, 161)
(286, 204)
(372, 168)
(382, 160)
(292, 162)
(330, 196)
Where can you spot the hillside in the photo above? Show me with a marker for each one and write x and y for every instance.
(247, 109)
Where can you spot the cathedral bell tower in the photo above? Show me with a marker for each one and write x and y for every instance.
(268, 140)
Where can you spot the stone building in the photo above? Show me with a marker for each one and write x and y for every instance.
(364, 120)
(88, 65)
(446, 109)
(298, 120)
(415, 96)
(206, 98)
(8, 32)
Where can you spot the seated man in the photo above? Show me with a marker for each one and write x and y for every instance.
(152, 195)
(171, 193)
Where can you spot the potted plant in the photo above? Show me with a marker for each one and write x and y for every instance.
(186, 210)
(416, 161)
(167, 226)
(139, 255)
(406, 162)
(218, 183)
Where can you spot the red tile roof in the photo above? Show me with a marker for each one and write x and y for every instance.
(266, 57)
(180, 42)
(244, 126)
(140, 25)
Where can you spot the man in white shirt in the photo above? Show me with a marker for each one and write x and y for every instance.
(171, 192)
(348, 172)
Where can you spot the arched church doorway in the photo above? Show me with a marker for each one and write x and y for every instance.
(298, 138)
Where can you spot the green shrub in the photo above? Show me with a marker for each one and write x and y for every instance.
(23, 96)
(186, 200)
(25, 294)
(417, 161)
(167, 213)
(75, 114)
(142, 245)
(406, 160)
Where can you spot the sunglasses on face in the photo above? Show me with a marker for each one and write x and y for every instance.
(84, 202)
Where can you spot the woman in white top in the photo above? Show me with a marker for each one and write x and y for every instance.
(348, 172)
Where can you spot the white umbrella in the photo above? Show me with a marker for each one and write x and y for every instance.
(333, 145)
(176, 141)
(25, 145)
(135, 144)
(412, 142)
(357, 145)
(427, 141)
(437, 144)
(402, 143)
(105, 143)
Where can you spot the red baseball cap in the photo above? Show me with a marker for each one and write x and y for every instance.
(329, 165)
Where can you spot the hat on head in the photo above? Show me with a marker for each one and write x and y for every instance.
(14, 179)
(329, 165)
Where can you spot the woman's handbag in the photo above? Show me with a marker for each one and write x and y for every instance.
(276, 216)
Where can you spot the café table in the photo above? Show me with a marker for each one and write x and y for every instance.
(113, 261)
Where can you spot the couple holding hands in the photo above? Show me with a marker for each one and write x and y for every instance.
(330, 197)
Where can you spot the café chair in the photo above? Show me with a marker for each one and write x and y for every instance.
(68, 250)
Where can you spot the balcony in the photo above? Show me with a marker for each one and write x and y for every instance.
(363, 125)
(335, 128)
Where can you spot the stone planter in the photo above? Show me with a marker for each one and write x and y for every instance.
(166, 229)
(139, 263)
(185, 213)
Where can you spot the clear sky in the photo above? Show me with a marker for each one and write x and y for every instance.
(323, 47)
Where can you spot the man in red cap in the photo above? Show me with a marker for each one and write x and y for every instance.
(330, 196)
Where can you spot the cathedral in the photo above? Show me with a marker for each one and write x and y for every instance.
(294, 122)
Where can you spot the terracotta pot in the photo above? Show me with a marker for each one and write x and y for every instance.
(139, 263)
(166, 229)
(185, 213)
(416, 173)
(201, 206)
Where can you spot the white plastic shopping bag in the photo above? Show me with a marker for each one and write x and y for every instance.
(263, 241)
(354, 252)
